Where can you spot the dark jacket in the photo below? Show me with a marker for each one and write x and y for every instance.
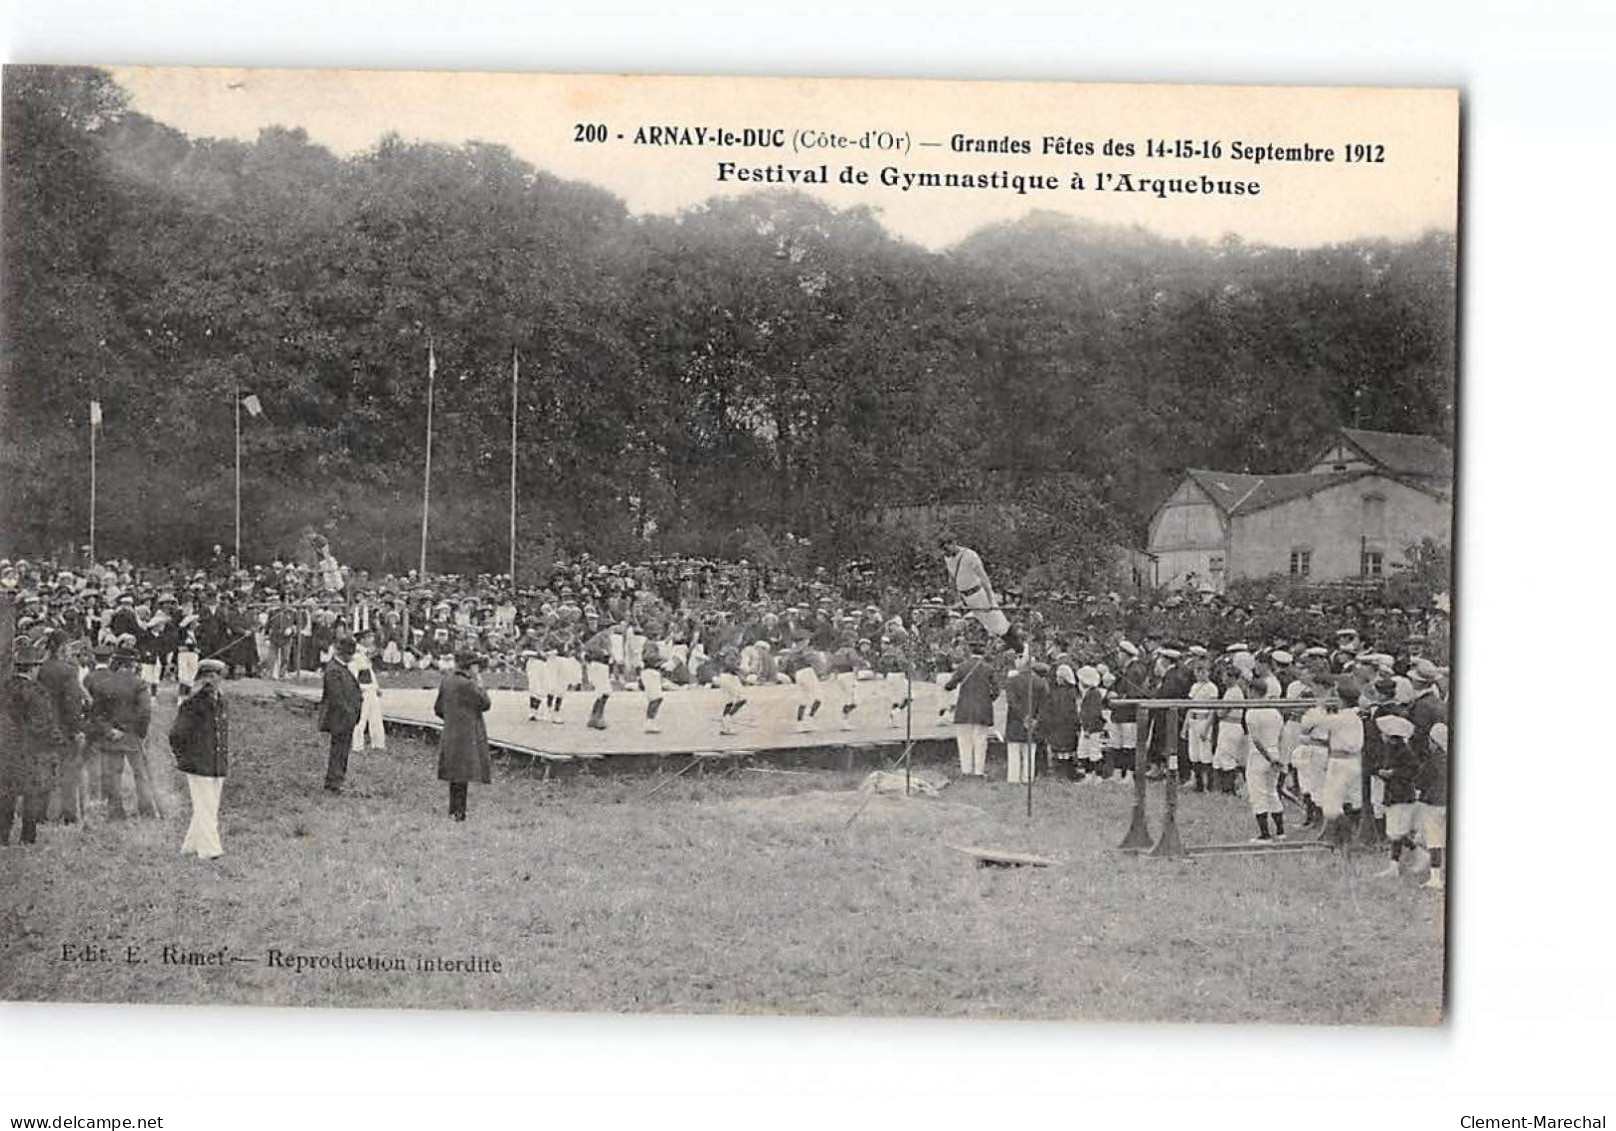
(340, 699)
(282, 626)
(28, 736)
(60, 680)
(463, 748)
(212, 632)
(1391, 759)
(1175, 683)
(1133, 682)
(1431, 779)
(200, 736)
(978, 686)
(118, 699)
(242, 648)
(1091, 711)
(1025, 694)
(1060, 718)
(124, 622)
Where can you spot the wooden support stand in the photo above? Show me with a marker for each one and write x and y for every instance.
(1139, 838)
(1169, 843)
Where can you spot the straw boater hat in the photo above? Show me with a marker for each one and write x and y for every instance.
(1394, 726)
(1423, 672)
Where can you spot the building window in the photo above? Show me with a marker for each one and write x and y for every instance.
(1374, 562)
(1301, 563)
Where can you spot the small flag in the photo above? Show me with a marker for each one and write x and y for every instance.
(95, 414)
(250, 403)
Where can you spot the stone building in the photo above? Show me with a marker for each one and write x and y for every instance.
(1354, 511)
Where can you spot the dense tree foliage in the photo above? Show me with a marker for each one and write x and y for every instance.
(708, 381)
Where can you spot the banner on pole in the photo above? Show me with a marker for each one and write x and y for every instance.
(95, 414)
(251, 403)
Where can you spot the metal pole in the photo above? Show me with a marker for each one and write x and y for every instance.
(93, 430)
(908, 720)
(238, 473)
(515, 371)
(1031, 765)
(426, 490)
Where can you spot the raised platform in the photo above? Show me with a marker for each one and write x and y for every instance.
(765, 729)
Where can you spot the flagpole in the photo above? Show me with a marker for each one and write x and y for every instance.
(94, 406)
(515, 371)
(238, 473)
(426, 490)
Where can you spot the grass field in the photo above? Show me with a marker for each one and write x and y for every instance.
(747, 892)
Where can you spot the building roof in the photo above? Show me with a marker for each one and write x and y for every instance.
(1237, 493)
(1403, 453)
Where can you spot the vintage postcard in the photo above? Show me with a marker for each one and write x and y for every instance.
(727, 545)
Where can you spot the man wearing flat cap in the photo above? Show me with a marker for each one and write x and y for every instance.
(1174, 680)
(29, 742)
(1133, 681)
(119, 716)
(200, 739)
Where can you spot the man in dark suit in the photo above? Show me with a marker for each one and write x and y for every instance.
(340, 704)
(242, 649)
(212, 629)
(978, 687)
(120, 714)
(29, 738)
(281, 628)
(59, 676)
(463, 755)
(1173, 681)
(1026, 693)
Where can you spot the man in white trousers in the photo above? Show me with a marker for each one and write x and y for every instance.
(977, 685)
(803, 662)
(371, 733)
(536, 670)
(651, 683)
(1026, 695)
(200, 739)
(1265, 762)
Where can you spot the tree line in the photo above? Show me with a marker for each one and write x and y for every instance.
(704, 382)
